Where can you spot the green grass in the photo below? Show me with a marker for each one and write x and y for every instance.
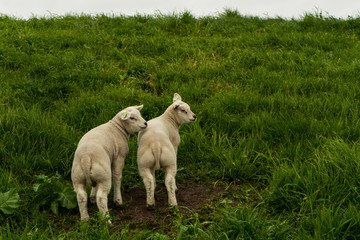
(278, 106)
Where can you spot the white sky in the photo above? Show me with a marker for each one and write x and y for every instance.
(261, 8)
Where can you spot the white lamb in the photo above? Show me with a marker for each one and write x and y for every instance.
(158, 146)
(100, 155)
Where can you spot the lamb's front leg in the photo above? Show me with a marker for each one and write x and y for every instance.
(93, 194)
(118, 166)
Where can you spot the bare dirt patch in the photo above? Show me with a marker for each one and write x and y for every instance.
(201, 198)
(190, 196)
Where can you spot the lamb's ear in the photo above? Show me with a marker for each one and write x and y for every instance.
(177, 97)
(124, 115)
(139, 107)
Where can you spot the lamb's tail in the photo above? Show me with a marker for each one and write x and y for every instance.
(86, 167)
(156, 151)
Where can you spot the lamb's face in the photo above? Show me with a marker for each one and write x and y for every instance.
(185, 115)
(132, 119)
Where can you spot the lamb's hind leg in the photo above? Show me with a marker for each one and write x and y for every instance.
(81, 196)
(102, 198)
(149, 182)
(170, 173)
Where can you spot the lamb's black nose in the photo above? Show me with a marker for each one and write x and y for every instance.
(194, 116)
(145, 123)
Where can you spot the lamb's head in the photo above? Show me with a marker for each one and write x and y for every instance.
(132, 119)
(182, 110)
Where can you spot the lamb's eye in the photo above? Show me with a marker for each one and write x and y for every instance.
(132, 118)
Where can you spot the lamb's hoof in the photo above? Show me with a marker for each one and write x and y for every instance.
(85, 219)
(173, 204)
(150, 207)
(120, 206)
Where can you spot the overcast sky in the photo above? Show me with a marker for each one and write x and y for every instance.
(262, 8)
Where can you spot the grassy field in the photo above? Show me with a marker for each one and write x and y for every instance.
(278, 106)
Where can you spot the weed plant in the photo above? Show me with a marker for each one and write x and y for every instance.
(278, 106)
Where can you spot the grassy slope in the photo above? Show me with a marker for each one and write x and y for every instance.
(277, 103)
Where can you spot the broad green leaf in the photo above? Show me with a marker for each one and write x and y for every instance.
(160, 236)
(36, 187)
(183, 228)
(9, 201)
(55, 207)
(67, 198)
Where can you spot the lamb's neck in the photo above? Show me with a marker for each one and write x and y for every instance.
(120, 126)
(170, 117)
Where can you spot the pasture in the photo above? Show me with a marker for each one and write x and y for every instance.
(274, 152)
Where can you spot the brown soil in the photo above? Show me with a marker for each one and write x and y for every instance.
(190, 196)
